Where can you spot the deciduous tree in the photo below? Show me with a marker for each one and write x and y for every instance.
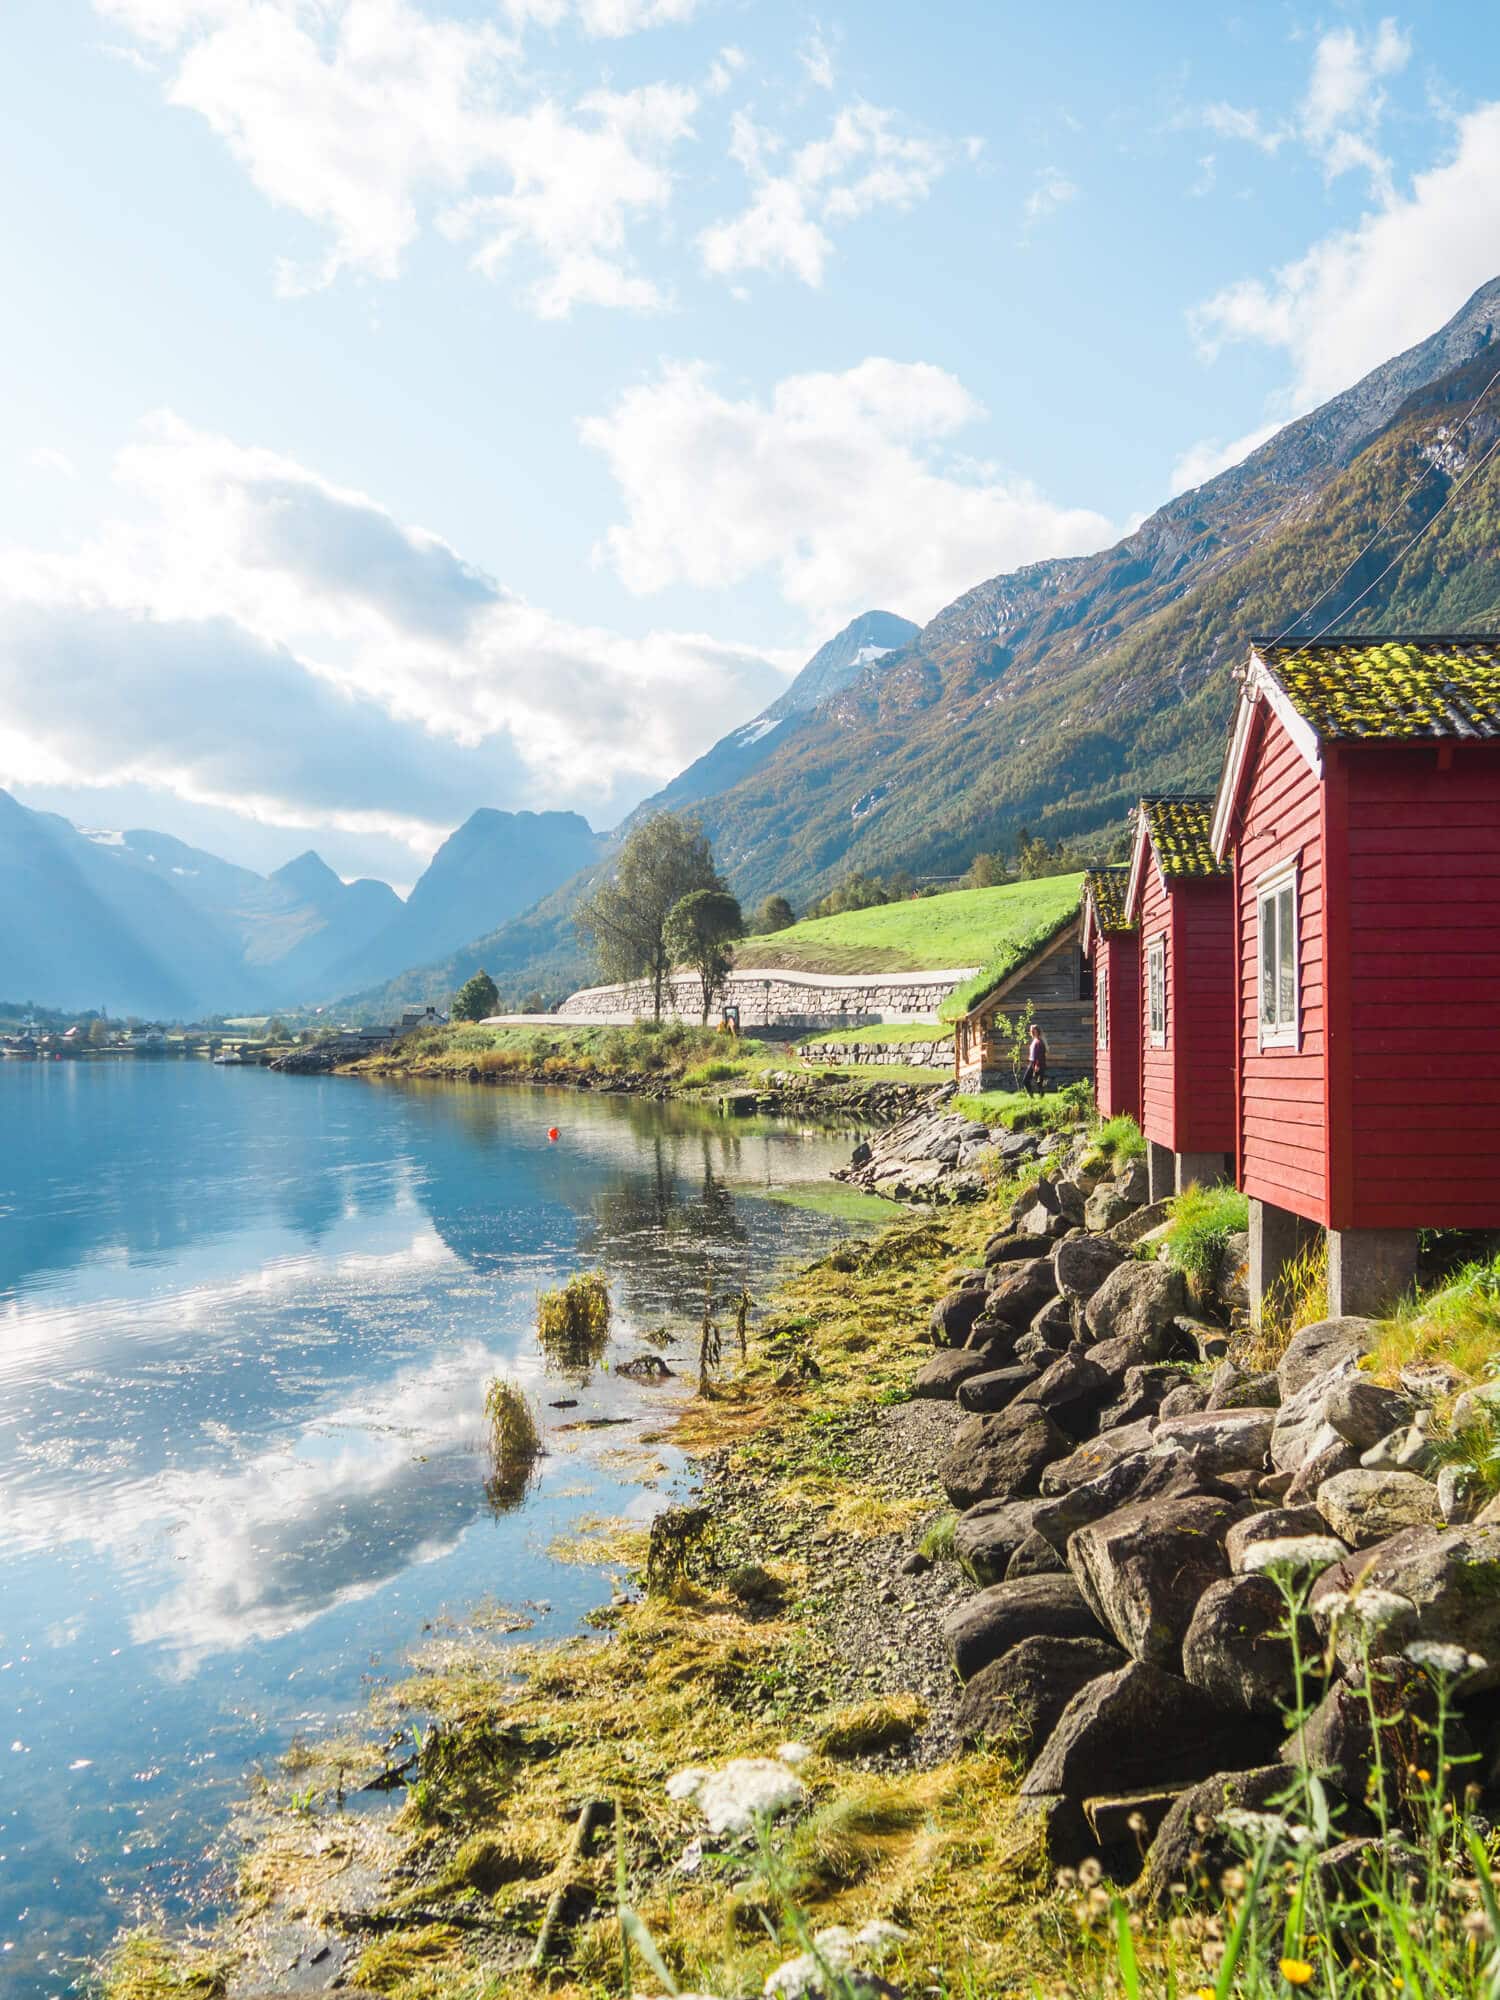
(624, 922)
(476, 998)
(701, 930)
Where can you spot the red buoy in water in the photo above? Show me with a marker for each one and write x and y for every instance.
(553, 1133)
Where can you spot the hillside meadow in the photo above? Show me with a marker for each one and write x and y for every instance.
(966, 927)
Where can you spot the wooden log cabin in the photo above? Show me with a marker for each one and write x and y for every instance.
(1179, 896)
(1110, 943)
(1052, 986)
(1360, 806)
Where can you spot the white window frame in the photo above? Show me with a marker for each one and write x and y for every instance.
(1156, 985)
(1279, 1033)
(1101, 1008)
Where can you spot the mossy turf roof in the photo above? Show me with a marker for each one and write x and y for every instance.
(1349, 689)
(1179, 831)
(1105, 889)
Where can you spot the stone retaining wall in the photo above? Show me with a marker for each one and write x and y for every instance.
(909, 1055)
(774, 999)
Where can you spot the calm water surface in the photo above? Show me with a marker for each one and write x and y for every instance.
(245, 1326)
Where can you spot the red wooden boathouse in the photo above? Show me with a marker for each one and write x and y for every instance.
(1111, 950)
(1179, 897)
(1360, 803)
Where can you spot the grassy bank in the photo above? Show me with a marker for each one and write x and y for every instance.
(673, 1058)
(923, 934)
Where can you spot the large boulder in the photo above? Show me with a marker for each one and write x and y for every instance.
(1143, 1569)
(1184, 1401)
(1141, 1394)
(1135, 1478)
(987, 1536)
(1302, 1427)
(1105, 1207)
(1017, 1701)
(1336, 1740)
(1129, 1230)
(1008, 1246)
(1329, 1456)
(1193, 1846)
(1035, 1557)
(1318, 1348)
(1138, 1302)
(1019, 1291)
(1364, 1508)
(1000, 1457)
(954, 1314)
(1362, 1412)
(1135, 1727)
(1088, 1460)
(1217, 1441)
(1271, 1524)
(1231, 1388)
(940, 1377)
(1082, 1263)
(1030, 1607)
(1072, 1390)
(995, 1389)
(1235, 1649)
(1450, 1579)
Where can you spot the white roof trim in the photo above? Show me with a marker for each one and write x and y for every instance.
(1259, 684)
(1137, 861)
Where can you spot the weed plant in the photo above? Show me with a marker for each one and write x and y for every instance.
(572, 1324)
(1202, 1221)
(1120, 1139)
(515, 1442)
(1459, 1323)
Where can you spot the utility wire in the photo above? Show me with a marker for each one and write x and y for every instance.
(1402, 553)
(1359, 556)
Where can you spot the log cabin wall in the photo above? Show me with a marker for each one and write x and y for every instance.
(1055, 988)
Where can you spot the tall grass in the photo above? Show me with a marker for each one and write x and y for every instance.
(1121, 1139)
(1202, 1221)
(515, 1441)
(1459, 1323)
(572, 1323)
(1295, 1299)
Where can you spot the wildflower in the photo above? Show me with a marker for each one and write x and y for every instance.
(1443, 1659)
(1373, 1608)
(1296, 1971)
(1232, 1881)
(1089, 1871)
(1065, 1879)
(1137, 1823)
(1477, 1924)
(1294, 1554)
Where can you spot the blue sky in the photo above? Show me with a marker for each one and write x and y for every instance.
(420, 404)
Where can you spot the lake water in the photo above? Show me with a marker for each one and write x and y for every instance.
(246, 1322)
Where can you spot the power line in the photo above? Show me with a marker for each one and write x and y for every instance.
(1359, 556)
(1402, 553)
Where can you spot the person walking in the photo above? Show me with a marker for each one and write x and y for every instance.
(1034, 1082)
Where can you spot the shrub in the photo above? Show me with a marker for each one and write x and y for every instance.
(572, 1323)
(1202, 1219)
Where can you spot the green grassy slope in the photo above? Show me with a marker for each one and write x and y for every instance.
(928, 933)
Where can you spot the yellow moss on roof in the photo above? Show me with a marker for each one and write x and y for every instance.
(1390, 688)
(1105, 889)
(1179, 834)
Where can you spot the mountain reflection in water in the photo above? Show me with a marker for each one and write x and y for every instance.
(245, 1327)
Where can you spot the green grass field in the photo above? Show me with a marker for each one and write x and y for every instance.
(887, 1036)
(926, 934)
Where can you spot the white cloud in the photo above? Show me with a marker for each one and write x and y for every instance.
(47, 458)
(1211, 455)
(723, 70)
(1050, 191)
(249, 636)
(1363, 294)
(843, 485)
(365, 117)
(1231, 121)
(864, 163)
(816, 58)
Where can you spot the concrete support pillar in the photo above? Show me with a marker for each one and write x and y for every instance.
(1277, 1238)
(1161, 1171)
(1369, 1270)
(1206, 1169)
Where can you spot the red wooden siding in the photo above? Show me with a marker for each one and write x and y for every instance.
(1117, 1066)
(1283, 1126)
(1418, 948)
(1187, 1086)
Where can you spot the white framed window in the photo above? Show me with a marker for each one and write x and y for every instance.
(1156, 991)
(1276, 926)
(1101, 1005)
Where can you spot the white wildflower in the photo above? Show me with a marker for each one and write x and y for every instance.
(1443, 1659)
(794, 1753)
(839, 1950)
(1293, 1552)
(1265, 1825)
(745, 1790)
(1372, 1608)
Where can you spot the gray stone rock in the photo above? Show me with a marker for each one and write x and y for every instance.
(1071, 1390)
(995, 1389)
(1184, 1400)
(1432, 1381)
(1129, 1230)
(1000, 1457)
(1055, 1323)
(1336, 1739)
(1235, 1648)
(1082, 1263)
(1142, 1393)
(1201, 1337)
(1044, 1223)
(1460, 1493)
(1231, 1388)
(1363, 1508)
(1071, 1199)
(1451, 1579)
(1035, 1557)
(1315, 1349)
(1018, 1292)
(987, 1536)
(1138, 1476)
(1218, 1441)
(1232, 1273)
(1409, 1450)
(1105, 1207)
(940, 1377)
(1138, 1302)
(1017, 1701)
(1088, 1460)
(1363, 1412)
(1271, 1524)
(1476, 1408)
(1009, 1246)
(1302, 1425)
(986, 1626)
(1143, 1569)
(1329, 1456)
(953, 1315)
(1193, 1847)
(1133, 1181)
(1137, 1726)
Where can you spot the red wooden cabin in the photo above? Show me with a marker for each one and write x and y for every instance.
(1179, 897)
(1111, 950)
(1360, 802)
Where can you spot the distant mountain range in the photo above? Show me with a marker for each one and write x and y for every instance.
(1054, 695)
(1051, 697)
(140, 923)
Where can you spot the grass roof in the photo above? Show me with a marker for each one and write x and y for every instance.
(1035, 914)
(1179, 832)
(1105, 889)
(1382, 688)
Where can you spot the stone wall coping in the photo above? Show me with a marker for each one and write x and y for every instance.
(827, 981)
